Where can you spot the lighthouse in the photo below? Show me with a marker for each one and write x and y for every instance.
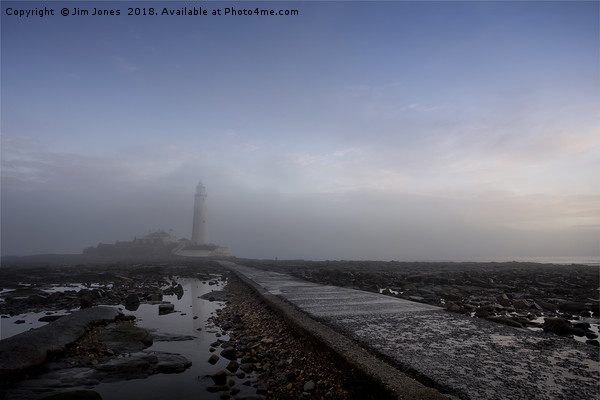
(199, 231)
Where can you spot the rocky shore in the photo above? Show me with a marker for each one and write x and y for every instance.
(256, 354)
(282, 363)
(555, 298)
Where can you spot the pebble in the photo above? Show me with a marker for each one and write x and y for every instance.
(213, 359)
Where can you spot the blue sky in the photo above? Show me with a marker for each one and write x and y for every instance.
(371, 130)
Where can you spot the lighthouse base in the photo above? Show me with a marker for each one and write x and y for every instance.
(207, 250)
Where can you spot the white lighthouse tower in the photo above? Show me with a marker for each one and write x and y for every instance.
(199, 231)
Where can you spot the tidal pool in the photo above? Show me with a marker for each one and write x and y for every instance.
(186, 331)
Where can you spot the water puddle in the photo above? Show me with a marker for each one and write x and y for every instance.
(184, 331)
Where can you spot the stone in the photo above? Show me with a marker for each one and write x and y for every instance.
(219, 378)
(559, 326)
(229, 353)
(217, 388)
(452, 307)
(262, 388)
(50, 318)
(37, 299)
(86, 298)
(506, 321)
(125, 338)
(233, 366)
(247, 367)
(132, 299)
(75, 395)
(30, 348)
(574, 308)
(503, 300)
(166, 308)
(309, 386)
(213, 359)
(520, 304)
(155, 297)
(172, 363)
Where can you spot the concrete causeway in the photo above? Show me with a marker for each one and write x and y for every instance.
(461, 357)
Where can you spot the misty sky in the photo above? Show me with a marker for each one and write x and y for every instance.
(356, 130)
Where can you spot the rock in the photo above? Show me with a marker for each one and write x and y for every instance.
(217, 388)
(178, 290)
(503, 300)
(125, 338)
(166, 308)
(54, 297)
(574, 308)
(213, 359)
(229, 353)
(37, 299)
(262, 389)
(593, 342)
(452, 296)
(20, 321)
(309, 386)
(215, 295)
(172, 363)
(559, 326)
(86, 298)
(582, 325)
(132, 299)
(247, 367)
(546, 306)
(452, 307)
(220, 378)
(75, 395)
(232, 366)
(506, 321)
(520, 304)
(50, 318)
(31, 348)
(482, 313)
(155, 297)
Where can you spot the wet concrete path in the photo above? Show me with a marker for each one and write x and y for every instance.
(466, 358)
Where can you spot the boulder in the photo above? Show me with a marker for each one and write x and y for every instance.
(86, 298)
(520, 304)
(125, 338)
(171, 363)
(574, 308)
(30, 348)
(559, 326)
(133, 298)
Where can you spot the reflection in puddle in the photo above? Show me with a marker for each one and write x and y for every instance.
(186, 331)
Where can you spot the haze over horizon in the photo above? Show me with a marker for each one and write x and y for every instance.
(355, 130)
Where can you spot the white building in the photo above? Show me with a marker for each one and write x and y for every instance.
(199, 229)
